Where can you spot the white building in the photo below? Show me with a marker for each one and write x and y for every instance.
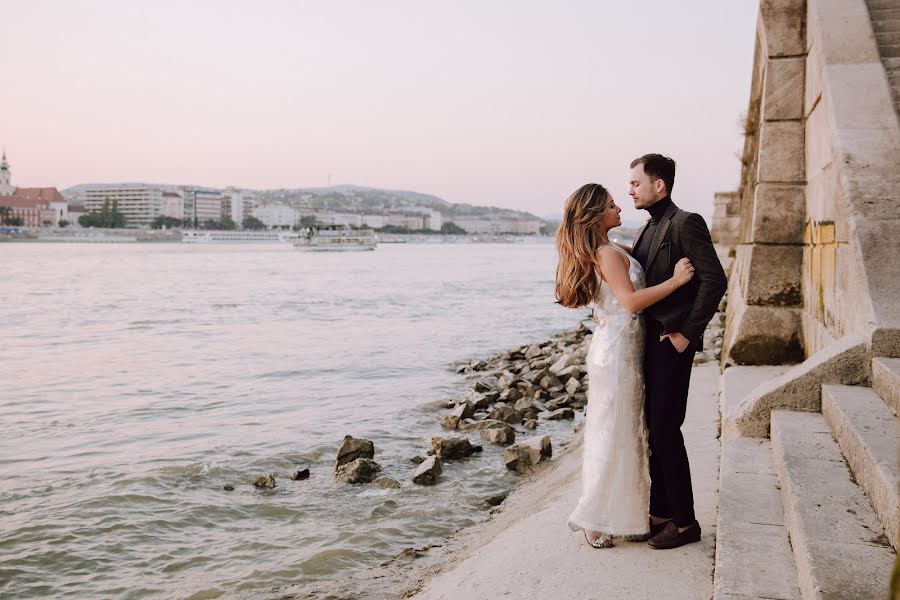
(139, 202)
(238, 204)
(172, 204)
(277, 215)
(373, 221)
(329, 218)
(433, 220)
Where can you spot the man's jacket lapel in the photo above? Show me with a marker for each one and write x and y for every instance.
(660, 234)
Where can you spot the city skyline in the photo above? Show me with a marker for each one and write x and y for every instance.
(481, 105)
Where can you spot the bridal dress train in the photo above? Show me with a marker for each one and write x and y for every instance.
(615, 494)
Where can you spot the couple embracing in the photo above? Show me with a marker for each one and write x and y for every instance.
(651, 303)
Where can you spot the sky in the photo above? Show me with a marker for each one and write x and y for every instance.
(509, 103)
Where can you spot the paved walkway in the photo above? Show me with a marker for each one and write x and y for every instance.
(528, 552)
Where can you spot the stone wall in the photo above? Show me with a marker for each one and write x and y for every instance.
(819, 236)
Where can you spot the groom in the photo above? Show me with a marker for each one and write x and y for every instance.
(674, 332)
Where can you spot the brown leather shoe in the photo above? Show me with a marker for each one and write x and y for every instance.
(656, 529)
(670, 537)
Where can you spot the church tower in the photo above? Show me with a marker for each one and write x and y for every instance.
(6, 188)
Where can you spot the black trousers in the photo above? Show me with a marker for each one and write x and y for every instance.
(667, 376)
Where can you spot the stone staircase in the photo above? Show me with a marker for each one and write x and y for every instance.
(885, 15)
(812, 512)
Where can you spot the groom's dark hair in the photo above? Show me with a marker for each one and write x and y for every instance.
(658, 166)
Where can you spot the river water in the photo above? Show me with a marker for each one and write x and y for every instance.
(139, 379)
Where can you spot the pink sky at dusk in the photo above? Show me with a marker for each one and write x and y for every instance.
(504, 103)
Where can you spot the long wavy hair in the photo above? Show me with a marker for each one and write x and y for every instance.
(577, 240)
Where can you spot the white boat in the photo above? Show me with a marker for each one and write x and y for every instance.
(343, 239)
(198, 237)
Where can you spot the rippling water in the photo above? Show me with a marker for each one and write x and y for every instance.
(139, 379)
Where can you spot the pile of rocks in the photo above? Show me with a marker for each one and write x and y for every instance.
(712, 337)
(523, 386)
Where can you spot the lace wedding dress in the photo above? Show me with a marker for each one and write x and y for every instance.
(615, 494)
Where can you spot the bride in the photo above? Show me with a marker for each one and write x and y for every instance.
(615, 474)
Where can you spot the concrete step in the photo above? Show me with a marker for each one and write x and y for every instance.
(886, 13)
(753, 554)
(839, 546)
(886, 381)
(875, 5)
(866, 431)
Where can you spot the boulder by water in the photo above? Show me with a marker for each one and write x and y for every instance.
(386, 482)
(353, 448)
(300, 475)
(451, 448)
(264, 482)
(428, 472)
(361, 470)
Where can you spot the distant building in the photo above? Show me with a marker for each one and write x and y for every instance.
(498, 224)
(36, 207)
(277, 215)
(172, 204)
(433, 220)
(237, 204)
(329, 218)
(373, 221)
(139, 202)
(201, 205)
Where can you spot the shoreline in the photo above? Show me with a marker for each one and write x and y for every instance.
(539, 485)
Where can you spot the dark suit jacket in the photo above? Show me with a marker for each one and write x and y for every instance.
(689, 308)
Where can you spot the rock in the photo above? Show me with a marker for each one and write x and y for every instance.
(228, 487)
(521, 458)
(463, 410)
(561, 364)
(479, 425)
(451, 448)
(556, 391)
(386, 482)
(530, 424)
(418, 459)
(492, 396)
(510, 395)
(579, 400)
(533, 351)
(486, 384)
(542, 443)
(353, 448)
(558, 403)
(523, 404)
(264, 482)
(497, 499)
(561, 413)
(386, 508)
(477, 449)
(450, 422)
(528, 413)
(300, 475)
(550, 381)
(428, 471)
(361, 470)
(570, 372)
(505, 413)
(483, 403)
(503, 436)
(573, 385)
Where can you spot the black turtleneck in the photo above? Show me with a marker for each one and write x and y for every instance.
(657, 210)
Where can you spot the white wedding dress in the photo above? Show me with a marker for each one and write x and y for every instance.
(615, 495)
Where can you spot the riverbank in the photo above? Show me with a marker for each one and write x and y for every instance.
(525, 550)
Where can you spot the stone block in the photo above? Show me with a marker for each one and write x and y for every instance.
(774, 275)
(783, 95)
(779, 212)
(813, 83)
(761, 335)
(783, 27)
(781, 152)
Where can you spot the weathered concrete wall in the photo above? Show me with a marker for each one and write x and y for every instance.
(817, 255)
(763, 321)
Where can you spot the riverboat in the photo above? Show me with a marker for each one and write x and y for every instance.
(343, 239)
